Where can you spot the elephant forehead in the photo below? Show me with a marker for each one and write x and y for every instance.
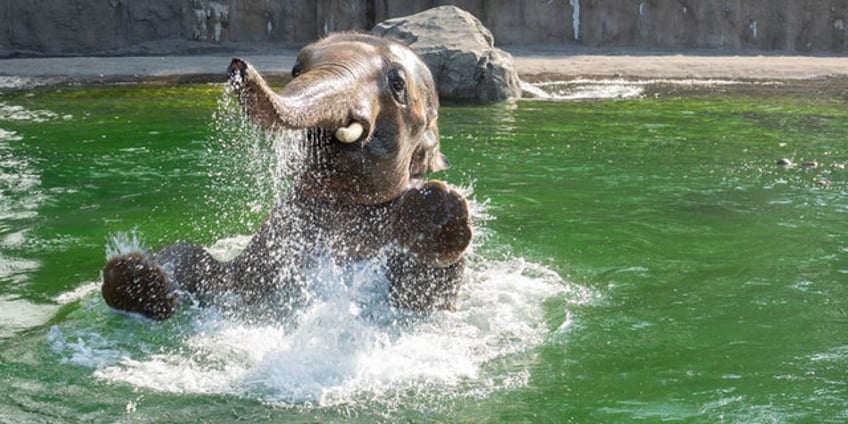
(406, 57)
(415, 67)
(348, 54)
(420, 78)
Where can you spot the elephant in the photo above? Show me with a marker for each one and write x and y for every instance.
(366, 111)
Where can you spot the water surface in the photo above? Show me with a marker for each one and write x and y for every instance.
(634, 260)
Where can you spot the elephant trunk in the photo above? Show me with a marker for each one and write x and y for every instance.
(318, 99)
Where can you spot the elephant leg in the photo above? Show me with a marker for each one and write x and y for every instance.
(192, 269)
(432, 228)
(148, 285)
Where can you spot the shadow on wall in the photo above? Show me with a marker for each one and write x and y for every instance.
(74, 27)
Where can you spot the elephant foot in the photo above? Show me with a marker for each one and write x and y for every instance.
(134, 283)
(432, 223)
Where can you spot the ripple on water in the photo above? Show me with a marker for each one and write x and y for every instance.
(7, 135)
(10, 112)
(20, 198)
(19, 314)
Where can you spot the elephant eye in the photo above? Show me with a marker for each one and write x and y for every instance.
(297, 69)
(397, 83)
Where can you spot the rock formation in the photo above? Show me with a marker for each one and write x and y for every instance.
(460, 53)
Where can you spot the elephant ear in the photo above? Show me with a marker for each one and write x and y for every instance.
(427, 157)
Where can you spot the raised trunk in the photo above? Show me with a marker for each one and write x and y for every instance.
(317, 99)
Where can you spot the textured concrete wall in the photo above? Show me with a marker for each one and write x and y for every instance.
(70, 26)
(795, 25)
(59, 27)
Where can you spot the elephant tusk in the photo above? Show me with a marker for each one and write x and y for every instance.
(350, 133)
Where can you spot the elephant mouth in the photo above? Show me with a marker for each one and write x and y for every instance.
(320, 141)
(353, 136)
(326, 152)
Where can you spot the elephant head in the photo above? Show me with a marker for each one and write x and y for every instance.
(369, 107)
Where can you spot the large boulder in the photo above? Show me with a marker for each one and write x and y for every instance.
(460, 53)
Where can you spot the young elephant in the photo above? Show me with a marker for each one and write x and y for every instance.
(369, 108)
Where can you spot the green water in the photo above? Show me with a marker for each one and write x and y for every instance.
(699, 282)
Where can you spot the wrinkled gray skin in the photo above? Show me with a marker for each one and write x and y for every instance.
(356, 193)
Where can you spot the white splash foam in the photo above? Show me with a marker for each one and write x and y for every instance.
(84, 348)
(78, 293)
(534, 91)
(347, 344)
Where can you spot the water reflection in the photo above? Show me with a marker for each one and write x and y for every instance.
(20, 197)
(20, 186)
(18, 314)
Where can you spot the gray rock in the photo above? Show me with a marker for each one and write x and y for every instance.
(460, 53)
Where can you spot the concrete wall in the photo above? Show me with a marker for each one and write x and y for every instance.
(72, 27)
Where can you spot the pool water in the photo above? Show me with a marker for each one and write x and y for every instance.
(634, 260)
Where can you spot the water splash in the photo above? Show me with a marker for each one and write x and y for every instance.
(259, 165)
(346, 346)
(269, 161)
(123, 243)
